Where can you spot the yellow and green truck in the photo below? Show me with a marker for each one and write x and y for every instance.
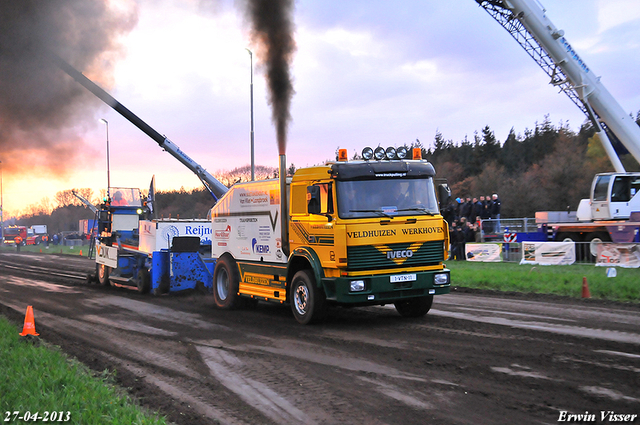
(353, 233)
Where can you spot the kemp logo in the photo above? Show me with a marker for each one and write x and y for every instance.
(223, 234)
(259, 248)
(407, 253)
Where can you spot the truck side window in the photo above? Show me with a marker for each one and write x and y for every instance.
(621, 190)
(601, 188)
(320, 199)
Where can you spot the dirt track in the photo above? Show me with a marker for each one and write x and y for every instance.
(474, 359)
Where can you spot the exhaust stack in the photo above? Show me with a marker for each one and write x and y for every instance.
(284, 210)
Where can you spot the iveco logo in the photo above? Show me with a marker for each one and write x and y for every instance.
(400, 254)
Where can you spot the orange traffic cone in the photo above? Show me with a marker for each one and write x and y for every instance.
(29, 325)
(585, 288)
(81, 253)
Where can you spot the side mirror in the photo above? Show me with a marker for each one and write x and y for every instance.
(313, 199)
(444, 195)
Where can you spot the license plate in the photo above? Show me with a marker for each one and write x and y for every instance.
(403, 278)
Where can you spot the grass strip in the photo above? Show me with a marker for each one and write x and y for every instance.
(557, 280)
(40, 378)
(82, 250)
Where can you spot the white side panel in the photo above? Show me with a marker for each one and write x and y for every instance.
(246, 222)
(107, 255)
(147, 232)
(155, 236)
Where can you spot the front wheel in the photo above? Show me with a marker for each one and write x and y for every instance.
(143, 281)
(102, 272)
(414, 307)
(308, 301)
(226, 280)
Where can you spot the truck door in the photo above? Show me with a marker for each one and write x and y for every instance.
(314, 226)
(624, 199)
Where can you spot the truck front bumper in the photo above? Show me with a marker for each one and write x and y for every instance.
(386, 288)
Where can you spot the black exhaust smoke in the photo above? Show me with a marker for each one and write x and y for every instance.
(272, 31)
(39, 105)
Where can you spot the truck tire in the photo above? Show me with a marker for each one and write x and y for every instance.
(594, 239)
(225, 284)
(143, 281)
(308, 301)
(414, 307)
(102, 273)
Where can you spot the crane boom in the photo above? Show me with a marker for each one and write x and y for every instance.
(212, 184)
(527, 23)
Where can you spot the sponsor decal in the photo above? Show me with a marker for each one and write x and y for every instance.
(200, 230)
(391, 175)
(371, 233)
(574, 55)
(256, 280)
(220, 220)
(254, 197)
(422, 231)
(223, 234)
(170, 232)
(222, 244)
(259, 248)
(406, 253)
(249, 220)
(147, 228)
(264, 233)
(106, 255)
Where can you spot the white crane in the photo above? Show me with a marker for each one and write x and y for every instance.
(613, 195)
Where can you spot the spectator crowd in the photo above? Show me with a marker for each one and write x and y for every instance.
(469, 220)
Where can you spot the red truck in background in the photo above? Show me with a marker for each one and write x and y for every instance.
(15, 235)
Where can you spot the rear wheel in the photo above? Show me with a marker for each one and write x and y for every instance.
(226, 281)
(414, 307)
(102, 272)
(144, 281)
(308, 301)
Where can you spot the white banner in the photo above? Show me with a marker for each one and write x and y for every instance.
(621, 255)
(484, 252)
(548, 253)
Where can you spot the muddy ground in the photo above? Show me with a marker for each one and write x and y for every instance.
(475, 358)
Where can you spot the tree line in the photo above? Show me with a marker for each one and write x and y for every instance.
(546, 168)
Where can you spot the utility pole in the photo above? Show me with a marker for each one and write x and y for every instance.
(253, 167)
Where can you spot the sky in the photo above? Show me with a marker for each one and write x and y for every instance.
(365, 73)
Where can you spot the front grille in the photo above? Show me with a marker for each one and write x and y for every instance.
(376, 257)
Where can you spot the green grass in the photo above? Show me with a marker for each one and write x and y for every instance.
(53, 249)
(38, 378)
(557, 280)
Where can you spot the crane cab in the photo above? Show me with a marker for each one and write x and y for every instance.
(614, 196)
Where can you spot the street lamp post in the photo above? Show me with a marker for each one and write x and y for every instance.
(105, 122)
(253, 174)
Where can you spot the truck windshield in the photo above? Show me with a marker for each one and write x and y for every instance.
(386, 198)
(125, 196)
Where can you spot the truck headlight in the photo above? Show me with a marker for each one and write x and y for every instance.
(357, 286)
(441, 279)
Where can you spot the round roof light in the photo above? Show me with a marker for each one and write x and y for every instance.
(402, 152)
(379, 153)
(390, 153)
(367, 153)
